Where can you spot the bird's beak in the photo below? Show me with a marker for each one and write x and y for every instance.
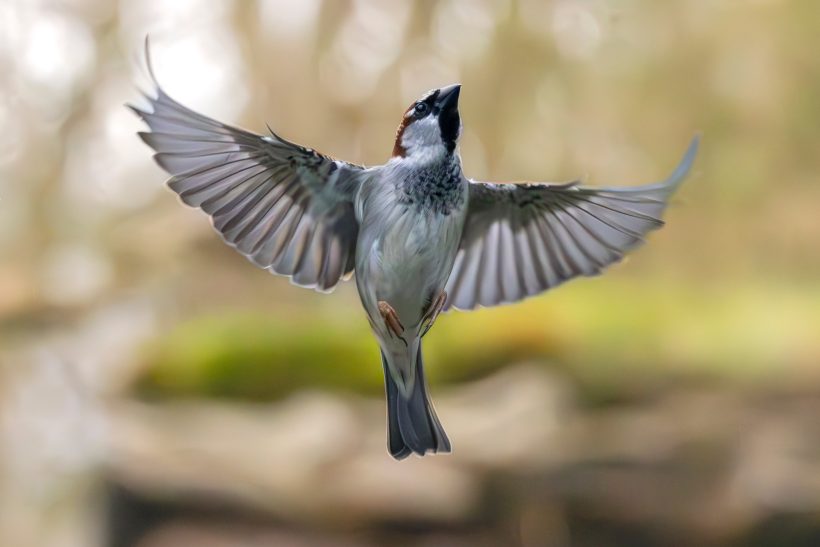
(447, 99)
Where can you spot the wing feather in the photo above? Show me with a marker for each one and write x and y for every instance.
(522, 239)
(287, 208)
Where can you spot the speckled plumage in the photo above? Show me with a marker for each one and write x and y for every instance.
(436, 187)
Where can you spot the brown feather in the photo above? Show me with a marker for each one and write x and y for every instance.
(407, 119)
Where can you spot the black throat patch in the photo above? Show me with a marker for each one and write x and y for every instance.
(449, 123)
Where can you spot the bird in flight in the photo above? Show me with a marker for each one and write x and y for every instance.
(419, 236)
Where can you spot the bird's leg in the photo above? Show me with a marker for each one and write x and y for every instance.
(391, 319)
(432, 312)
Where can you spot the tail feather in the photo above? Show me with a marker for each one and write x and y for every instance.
(412, 422)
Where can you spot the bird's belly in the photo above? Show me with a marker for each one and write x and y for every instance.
(411, 262)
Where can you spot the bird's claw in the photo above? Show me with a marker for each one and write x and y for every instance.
(432, 312)
(391, 320)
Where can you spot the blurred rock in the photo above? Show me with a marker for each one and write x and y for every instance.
(271, 457)
(202, 534)
(698, 464)
(372, 487)
(315, 455)
(509, 420)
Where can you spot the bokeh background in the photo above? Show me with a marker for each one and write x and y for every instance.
(158, 390)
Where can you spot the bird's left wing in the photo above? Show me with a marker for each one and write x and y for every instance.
(288, 208)
(522, 239)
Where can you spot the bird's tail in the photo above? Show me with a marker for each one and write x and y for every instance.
(412, 422)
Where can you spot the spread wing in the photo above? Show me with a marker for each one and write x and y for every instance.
(287, 208)
(522, 239)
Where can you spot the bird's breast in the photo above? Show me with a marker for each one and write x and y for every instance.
(406, 252)
(435, 188)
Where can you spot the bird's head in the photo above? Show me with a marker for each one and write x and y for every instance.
(431, 126)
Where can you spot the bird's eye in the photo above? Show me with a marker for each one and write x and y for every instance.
(420, 109)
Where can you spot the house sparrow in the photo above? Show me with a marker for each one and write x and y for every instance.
(420, 236)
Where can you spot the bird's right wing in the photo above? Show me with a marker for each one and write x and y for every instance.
(287, 208)
(522, 239)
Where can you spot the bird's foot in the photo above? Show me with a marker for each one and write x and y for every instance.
(391, 320)
(432, 312)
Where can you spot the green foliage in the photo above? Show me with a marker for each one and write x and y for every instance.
(613, 337)
(258, 357)
(262, 357)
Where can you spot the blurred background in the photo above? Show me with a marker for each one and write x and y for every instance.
(158, 390)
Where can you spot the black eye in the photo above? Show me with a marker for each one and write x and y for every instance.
(421, 109)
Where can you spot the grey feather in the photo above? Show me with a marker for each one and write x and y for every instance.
(546, 234)
(412, 424)
(287, 208)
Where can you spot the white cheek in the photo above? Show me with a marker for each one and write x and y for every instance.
(422, 139)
